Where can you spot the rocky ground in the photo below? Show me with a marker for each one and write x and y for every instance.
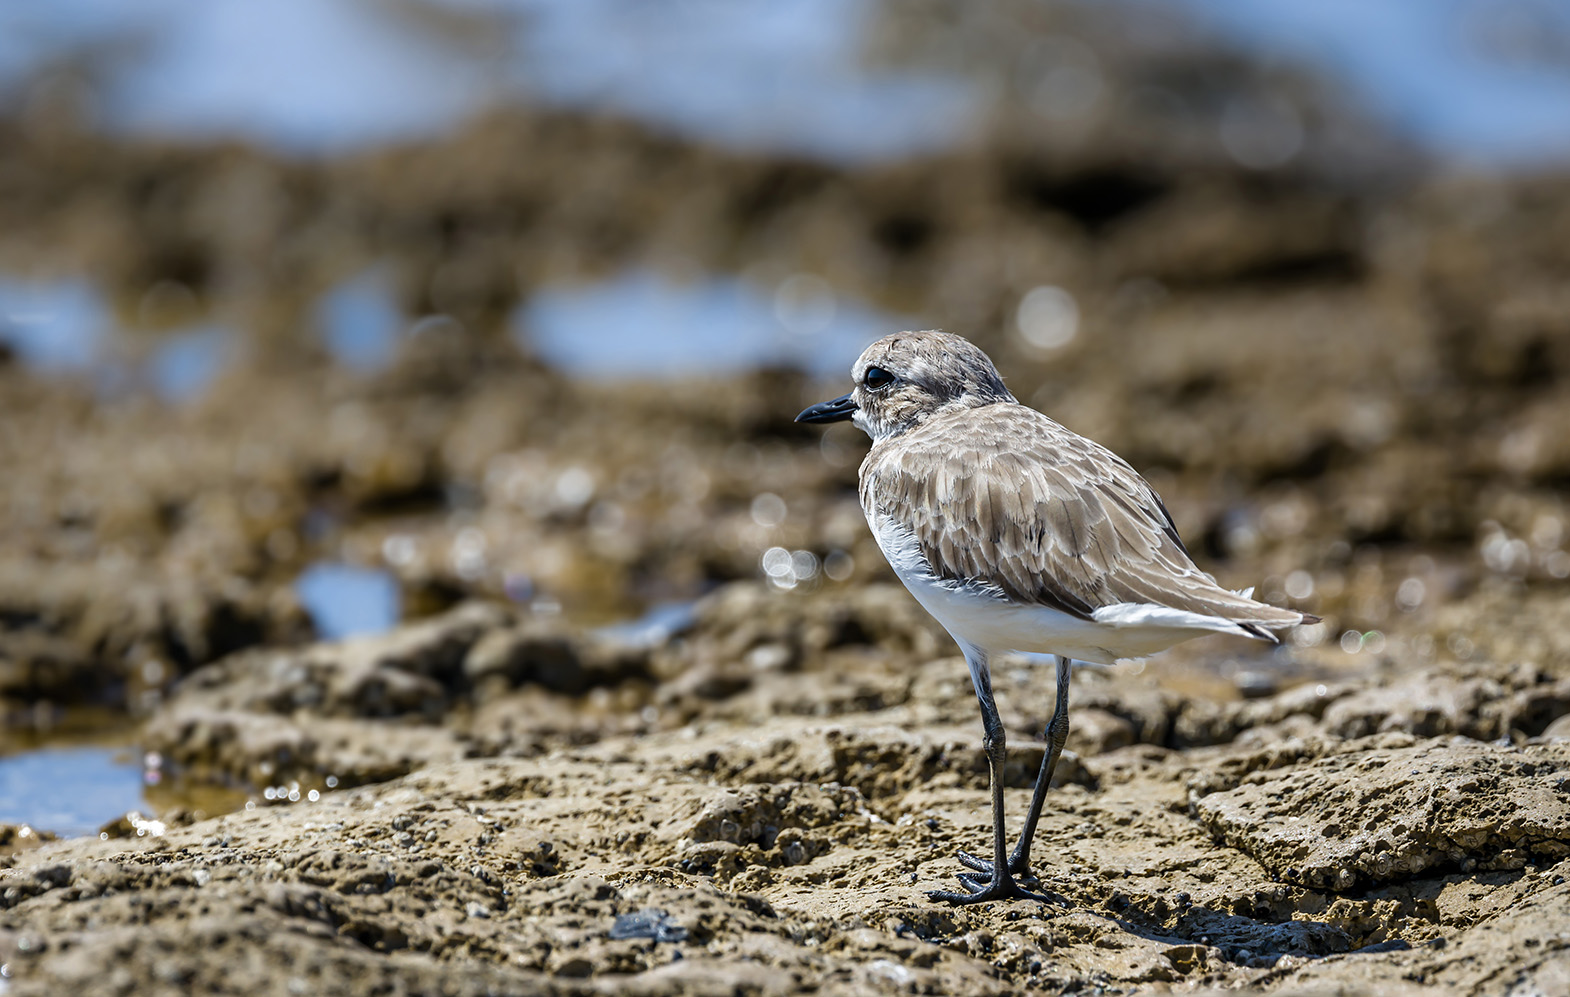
(757, 804)
(1346, 375)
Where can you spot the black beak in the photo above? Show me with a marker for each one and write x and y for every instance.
(837, 410)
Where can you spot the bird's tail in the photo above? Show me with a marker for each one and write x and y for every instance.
(1274, 618)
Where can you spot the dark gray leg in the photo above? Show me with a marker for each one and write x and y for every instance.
(1000, 883)
(1056, 734)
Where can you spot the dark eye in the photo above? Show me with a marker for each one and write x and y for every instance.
(876, 378)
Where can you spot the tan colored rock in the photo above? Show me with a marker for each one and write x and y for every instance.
(1362, 815)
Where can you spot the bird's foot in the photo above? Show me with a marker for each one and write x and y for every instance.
(1018, 866)
(979, 889)
(998, 888)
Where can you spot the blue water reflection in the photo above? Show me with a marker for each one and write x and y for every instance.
(346, 600)
(768, 74)
(300, 75)
(1476, 80)
(70, 791)
(64, 326)
(184, 364)
(54, 326)
(654, 627)
(360, 322)
(643, 325)
(1480, 81)
(35, 34)
(324, 76)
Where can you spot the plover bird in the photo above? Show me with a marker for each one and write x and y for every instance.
(1017, 534)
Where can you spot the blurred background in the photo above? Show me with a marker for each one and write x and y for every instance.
(321, 315)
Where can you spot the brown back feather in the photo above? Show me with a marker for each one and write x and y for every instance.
(1001, 495)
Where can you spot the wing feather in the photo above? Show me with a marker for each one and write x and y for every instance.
(1003, 497)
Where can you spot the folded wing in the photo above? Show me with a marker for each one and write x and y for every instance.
(1008, 499)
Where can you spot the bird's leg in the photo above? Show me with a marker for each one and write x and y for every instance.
(1000, 884)
(1056, 734)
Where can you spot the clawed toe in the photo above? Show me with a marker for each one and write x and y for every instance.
(996, 889)
(970, 861)
(983, 885)
(982, 873)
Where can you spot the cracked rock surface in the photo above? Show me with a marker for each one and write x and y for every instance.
(718, 843)
(1372, 814)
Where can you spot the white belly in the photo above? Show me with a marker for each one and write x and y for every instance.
(993, 624)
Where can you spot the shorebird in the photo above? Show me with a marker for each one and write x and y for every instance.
(1017, 534)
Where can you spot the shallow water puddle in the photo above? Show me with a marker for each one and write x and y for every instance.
(183, 366)
(774, 74)
(655, 627)
(1472, 81)
(641, 324)
(786, 75)
(360, 322)
(205, 69)
(346, 600)
(65, 326)
(70, 790)
(54, 326)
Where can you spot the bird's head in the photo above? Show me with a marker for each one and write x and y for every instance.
(904, 379)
